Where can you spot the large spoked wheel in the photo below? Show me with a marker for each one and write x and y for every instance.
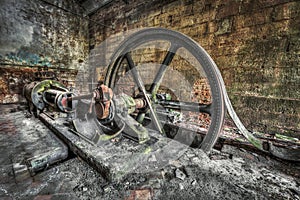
(174, 77)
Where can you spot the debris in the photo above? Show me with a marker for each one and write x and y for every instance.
(175, 163)
(181, 187)
(142, 194)
(155, 183)
(152, 158)
(194, 182)
(223, 178)
(163, 173)
(21, 172)
(238, 160)
(84, 189)
(190, 155)
(196, 160)
(179, 174)
(115, 139)
(107, 188)
(218, 155)
(142, 179)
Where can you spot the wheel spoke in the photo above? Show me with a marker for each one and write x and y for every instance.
(203, 65)
(160, 74)
(141, 87)
(133, 70)
(186, 106)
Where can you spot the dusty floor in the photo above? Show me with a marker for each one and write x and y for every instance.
(230, 174)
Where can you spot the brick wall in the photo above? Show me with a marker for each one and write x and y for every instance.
(13, 79)
(34, 33)
(255, 43)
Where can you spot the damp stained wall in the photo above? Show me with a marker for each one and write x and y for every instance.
(255, 43)
(33, 33)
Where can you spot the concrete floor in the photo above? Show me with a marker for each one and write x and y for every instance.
(229, 174)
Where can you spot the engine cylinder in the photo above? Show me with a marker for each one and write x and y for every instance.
(50, 93)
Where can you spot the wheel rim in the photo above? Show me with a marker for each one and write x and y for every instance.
(128, 52)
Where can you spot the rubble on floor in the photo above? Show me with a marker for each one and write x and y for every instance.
(227, 174)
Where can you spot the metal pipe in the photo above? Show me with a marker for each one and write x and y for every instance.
(187, 106)
(87, 96)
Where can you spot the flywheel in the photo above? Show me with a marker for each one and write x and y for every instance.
(177, 80)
